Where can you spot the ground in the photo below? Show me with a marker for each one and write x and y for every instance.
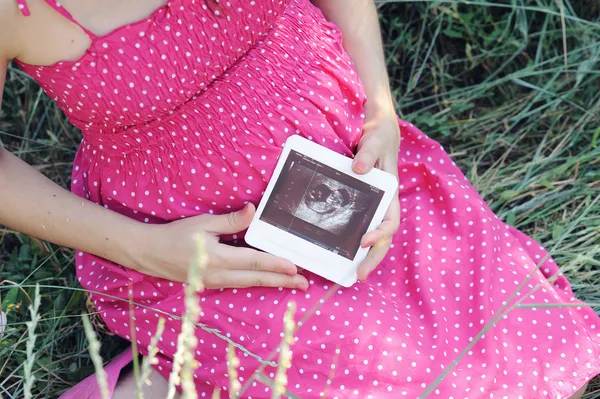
(510, 88)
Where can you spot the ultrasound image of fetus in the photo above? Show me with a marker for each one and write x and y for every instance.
(329, 204)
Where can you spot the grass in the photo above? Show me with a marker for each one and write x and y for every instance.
(510, 88)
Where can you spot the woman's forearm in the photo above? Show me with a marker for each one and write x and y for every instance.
(357, 19)
(32, 204)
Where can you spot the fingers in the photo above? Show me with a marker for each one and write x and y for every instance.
(370, 238)
(374, 258)
(365, 158)
(235, 258)
(369, 152)
(237, 267)
(230, 223)
(253, 278)
(388, 227)
(379, 240)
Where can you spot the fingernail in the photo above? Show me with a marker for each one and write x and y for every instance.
(362, 276)
(303, 286)
(359, 166)
(291, 268)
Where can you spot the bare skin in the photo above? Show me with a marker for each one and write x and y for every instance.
(56, 215)
(126, 387)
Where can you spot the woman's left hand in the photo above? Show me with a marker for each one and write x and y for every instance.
(378, 148)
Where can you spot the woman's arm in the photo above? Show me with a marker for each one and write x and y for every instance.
(380, 141)
(357, 19)
(32, 204)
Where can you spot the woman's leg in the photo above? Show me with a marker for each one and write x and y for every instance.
(126, 388)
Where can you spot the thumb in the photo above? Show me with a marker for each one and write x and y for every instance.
(231, 223)
(364, 160)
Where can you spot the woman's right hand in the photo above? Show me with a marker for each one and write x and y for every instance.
(167, 250)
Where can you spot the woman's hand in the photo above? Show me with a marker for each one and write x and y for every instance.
(378, 148)
(168, 250)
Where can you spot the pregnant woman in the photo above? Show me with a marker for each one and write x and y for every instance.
(184, 107)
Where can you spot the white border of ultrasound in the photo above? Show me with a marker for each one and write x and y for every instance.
(305, 254)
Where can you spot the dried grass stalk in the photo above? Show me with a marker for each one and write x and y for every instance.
(184, 362)
(31, 337)
(285, 354)
(232, 364)
(94, 349)
(150, 359)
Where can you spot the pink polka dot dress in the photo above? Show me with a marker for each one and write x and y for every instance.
(185, 113)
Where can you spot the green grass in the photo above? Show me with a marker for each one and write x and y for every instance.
(510, 88)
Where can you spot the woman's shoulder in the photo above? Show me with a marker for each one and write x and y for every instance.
(9, 29)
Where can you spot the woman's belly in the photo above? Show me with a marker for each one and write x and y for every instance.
(217, 151)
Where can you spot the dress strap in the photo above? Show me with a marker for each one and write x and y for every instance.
(23, 7)
(60, 9)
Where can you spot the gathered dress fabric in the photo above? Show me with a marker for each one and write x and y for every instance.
(186, 112)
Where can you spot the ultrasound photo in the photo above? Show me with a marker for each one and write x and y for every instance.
(325, 202)
(322, 205)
